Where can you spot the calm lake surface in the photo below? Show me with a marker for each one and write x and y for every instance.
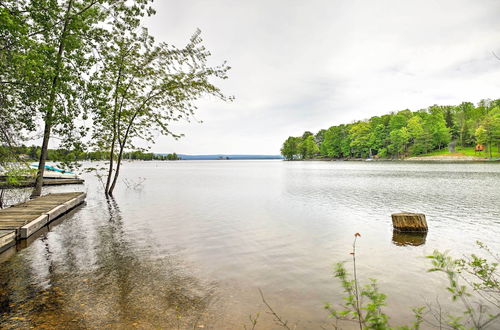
(192, 244)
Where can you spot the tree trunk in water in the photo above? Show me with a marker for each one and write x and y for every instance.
(115, 134)
(122, 144)
(37, 191)
(118, 163)
(110, 171)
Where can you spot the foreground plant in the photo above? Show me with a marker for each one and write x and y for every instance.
(476, 274)
(363, 305)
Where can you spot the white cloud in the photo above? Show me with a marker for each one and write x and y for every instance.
(306, 65)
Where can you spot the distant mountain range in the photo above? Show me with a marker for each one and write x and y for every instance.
(225, 157)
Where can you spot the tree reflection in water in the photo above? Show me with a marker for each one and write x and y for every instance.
(103, 281)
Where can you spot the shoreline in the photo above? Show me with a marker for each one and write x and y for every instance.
(433, 159)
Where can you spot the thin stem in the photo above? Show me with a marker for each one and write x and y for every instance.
(277, 318)
(356, 291)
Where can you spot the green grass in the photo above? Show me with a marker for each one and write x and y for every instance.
(465, 151)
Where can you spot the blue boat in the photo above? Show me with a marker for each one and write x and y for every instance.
(52, 168)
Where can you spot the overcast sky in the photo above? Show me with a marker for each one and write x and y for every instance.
(307, 65)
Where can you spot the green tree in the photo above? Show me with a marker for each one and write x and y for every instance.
(435, 124)
(399, 141)
(306, 135)
(172, 156)
(290, 148)
(336, 142)
(488, 132)
(399, 120)
(320, 137)
(308, 147)
(141, 86)
(462, 113)
(420, 139)
(360, 139)
(51, 46)
(16, 115)
(68, 35)
(330, 146)
(378, 137)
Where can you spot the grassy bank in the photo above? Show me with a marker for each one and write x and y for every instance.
(462, 151)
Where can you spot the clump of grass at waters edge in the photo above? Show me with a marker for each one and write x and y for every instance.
(462, 151)
(473, 281)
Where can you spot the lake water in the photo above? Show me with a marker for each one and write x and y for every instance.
(191, 246)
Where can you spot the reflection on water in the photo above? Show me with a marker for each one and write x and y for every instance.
(194, 245)
(14, 196)
(408, 238)
(121, 288)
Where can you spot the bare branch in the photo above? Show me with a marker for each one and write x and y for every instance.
(277, 318)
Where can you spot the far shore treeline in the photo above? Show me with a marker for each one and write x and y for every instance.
(64, 155)
(404, 133)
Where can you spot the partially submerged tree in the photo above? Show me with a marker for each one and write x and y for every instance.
(142, 86)
(70, 28)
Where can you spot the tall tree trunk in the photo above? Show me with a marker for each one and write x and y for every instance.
(115, 133)
(110, 170)
(37, 191)
(123, 143)
(118, 164)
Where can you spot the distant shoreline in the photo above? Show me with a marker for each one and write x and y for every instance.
(226, 157)
(434, 159)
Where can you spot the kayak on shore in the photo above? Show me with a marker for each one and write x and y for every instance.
(52, 168)
(52, 172)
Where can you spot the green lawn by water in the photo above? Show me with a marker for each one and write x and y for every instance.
(465, 151)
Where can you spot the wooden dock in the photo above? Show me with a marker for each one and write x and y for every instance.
(22, 220)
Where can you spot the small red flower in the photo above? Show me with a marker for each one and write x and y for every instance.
(357, 235)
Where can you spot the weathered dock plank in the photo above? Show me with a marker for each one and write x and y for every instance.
(7, 239)
(23, 220)
(28, 229)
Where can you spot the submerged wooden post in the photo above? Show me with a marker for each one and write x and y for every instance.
(413, 222)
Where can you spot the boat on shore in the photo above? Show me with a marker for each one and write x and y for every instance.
(52, 172)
